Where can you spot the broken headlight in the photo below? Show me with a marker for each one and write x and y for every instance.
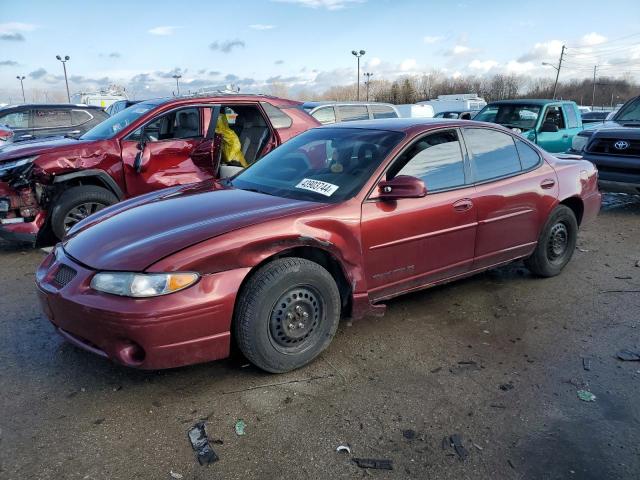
(8, 167)
(141, 285)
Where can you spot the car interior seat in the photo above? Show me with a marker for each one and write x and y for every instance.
(187, 125)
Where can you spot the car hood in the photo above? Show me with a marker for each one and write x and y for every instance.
(29, 148)
(138, 234)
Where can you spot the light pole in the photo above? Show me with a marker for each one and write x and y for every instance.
(368, 75)
(358, 55)
(22, 77)
(177, 77)
(64, 67)
(555, 85)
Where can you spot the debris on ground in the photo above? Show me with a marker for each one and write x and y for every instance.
(374, 463)
(586, 364)
(582, 250)
(175, 475)
(465, 365)
(505, 387)
(586, 396)
(477, 446)
(239, 427)
(344, 448)
(200, 443)
(623, 277)
(628, 355)
(637, 263)
(455, 441)
(409, 434)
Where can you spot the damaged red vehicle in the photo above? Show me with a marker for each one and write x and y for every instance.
(330, 224)
(47, 186)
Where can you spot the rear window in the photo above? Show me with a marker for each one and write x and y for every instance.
(48, 118)
(325, 115)
(277, 117)
(349, 113)
(383, 111)
(572, 118)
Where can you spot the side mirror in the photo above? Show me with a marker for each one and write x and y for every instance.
(402, 186)
(549, 127)
(137, 162)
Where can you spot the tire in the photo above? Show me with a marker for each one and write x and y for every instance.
(77, 203)
(287, 314)
(556, 244)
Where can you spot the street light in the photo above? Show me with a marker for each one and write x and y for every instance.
(358, 55)
(557, 69)
(21, 78)
(64, 67)
(368, 75)
(177, 77)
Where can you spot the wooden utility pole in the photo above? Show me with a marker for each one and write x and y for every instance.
(555, 85)
(593, 95)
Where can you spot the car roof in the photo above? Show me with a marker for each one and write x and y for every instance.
(225, 98)
(528, 101)
(309, 105)
(405, 125)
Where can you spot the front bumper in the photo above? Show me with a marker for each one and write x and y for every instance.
(183, 328)
(617, 173)
(23, 232)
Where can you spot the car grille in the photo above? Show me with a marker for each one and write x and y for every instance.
(63, 276)
(606, 146)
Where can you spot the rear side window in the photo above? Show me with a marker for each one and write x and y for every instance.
(493, 153)
(325, 115)
(50, 118)
(277, 117)
(383, 111)
(529, 158)
(435, 159)
(78, 117)
(15, 120)
(350, 113)
(570, 113)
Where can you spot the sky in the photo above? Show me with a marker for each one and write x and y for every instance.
(303, 44)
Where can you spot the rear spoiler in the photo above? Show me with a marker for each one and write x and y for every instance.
(567, 156)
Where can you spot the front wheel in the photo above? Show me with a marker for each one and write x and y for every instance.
(556, 244)
(76, 204)
(287, 314)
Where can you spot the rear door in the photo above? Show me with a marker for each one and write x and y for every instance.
(515, 188)
(48, 122)
(173, 148)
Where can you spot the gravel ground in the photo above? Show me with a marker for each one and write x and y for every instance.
(497, 358)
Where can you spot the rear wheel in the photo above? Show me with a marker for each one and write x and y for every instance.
(287, 314)
(76, 204)
(556, 244)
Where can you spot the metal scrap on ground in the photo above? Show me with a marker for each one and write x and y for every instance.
(200, 443)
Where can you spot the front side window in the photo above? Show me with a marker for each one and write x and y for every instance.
(629, 112)
(493, 153)
(325, 165)
(15, 120)
(325, 115)
(349, 113)
(435, 159)
(51, 118)
(179, 124)
(555, 117)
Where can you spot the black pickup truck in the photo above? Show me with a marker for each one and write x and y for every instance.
(614, 147)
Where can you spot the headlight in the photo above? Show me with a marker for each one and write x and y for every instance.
(579, 142)
(8, 166)
(141, 285)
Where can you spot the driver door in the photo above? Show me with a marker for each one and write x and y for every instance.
(412, 242)
(554, 142)
(172, 149)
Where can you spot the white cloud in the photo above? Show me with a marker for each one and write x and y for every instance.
(483, 65)
(543, 50)
(408, 64)
(14, 27)
(328, 4)
(432, 39)
(374, 62)
(517, 67)
(261, 26)
(460, 51)
(592, 38)
(163, 30)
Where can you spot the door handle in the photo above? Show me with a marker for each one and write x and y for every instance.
(547, 183)
(463, 205)
(566, 135)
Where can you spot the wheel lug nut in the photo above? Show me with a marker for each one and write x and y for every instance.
(305, 315)
(292, 326)
(300, 325)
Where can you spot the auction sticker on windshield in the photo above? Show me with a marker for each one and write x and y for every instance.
(317, 186)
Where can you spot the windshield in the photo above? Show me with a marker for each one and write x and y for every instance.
(321, 165)
(629, 112)
(117, 122)
(520, 116)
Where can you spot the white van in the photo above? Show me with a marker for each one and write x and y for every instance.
(415, 110)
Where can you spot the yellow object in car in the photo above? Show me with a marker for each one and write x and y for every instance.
(231, 147)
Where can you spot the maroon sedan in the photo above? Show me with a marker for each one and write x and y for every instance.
(331, 224)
